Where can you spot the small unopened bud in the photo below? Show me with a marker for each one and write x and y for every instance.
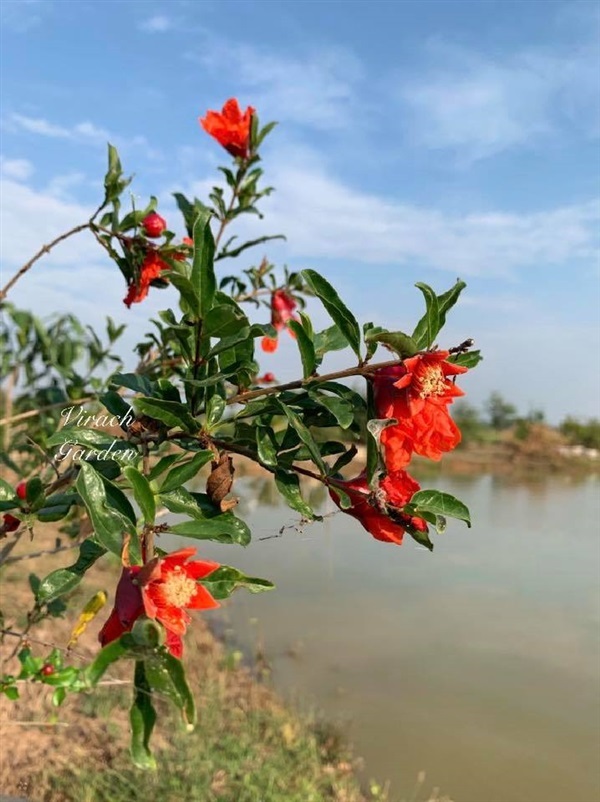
(153, 225)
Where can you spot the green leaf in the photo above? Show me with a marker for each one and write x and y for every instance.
(469, 360)
(142, 717)
(330, 339)
(228, 343)
(80, 435)
(183, 502)
(64, 580)
(35, 493)
(288, 485)
(166, 676)
(447, 300)
(224, 320)
(171, 413)
(109, 524)
(397, 341)
(438, 503)
(428, 327)
(306, 347)
(7, 492)
(341, 410)
(105, 658)
(203, 273)
(222, 582)
(304, 434)
(142, 493)
(163, 464)
(224, 528)
(422, 538)
(186, 290)
(338, 311)
(266, 446)
(139, 384)
(186, 471)
(215, 410)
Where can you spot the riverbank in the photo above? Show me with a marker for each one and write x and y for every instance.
(248, 745)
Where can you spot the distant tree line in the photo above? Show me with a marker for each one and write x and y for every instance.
(499, 415)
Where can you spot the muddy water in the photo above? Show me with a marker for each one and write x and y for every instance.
(479, 663)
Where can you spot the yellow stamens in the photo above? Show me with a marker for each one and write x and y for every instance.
(178, 588)
(432, 382)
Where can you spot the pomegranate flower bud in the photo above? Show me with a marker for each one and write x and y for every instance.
(153, 225)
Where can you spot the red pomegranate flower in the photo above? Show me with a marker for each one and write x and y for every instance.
(396, 490)
(153, 225)
(169, 587)
(230, 128)
(161, 589)
(283, 307)
(151, 269)
(417, 393)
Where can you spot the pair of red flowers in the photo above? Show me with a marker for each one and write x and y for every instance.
(417, 394)
(162, 590)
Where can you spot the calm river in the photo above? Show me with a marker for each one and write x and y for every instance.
(479, 663)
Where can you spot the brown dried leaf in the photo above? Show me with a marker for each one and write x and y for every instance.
(220, 481)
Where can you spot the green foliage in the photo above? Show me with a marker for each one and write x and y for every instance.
(193, 399)
(501, 414)
(581, 433)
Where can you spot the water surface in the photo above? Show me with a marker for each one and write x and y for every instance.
(479, 663)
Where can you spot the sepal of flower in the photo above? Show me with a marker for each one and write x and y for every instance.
(283, 307)
(380, 513)
(230, 127)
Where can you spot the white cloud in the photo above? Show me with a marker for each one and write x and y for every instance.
(159, 23)
(86, 133)
(315, 89)
(481, 106)
(325, 218)
(20, 169)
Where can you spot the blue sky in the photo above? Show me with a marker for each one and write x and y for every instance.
(418, 141)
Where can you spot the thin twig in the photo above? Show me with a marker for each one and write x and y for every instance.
(43, 250)
(357, 370)
(33, 412)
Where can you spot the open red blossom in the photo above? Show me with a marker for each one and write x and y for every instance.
(161, 590)
(151, 269)
(417, 393)
(426, 381)
(431, 433)
(230, 128)
(283, 307)
(170, 586)
(396, 490)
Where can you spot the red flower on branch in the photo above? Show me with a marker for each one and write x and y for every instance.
(283, 307)
(395, 491)
(161, 590)
(170, 586)
(153, 225)
(417, 393)
(230, 128)
(151, 269)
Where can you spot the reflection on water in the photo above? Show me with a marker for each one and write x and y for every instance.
(478, 663)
